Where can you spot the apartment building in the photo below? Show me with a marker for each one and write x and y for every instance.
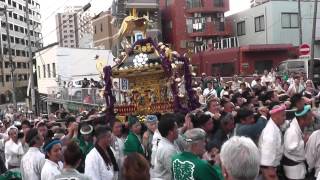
(72, 25)
(19, 43)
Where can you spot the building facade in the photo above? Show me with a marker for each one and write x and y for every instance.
(244, 43)
(102, 29)
(59, 68)
(194, 24)
(19, 46)
(276, 22)
(72, 25)
(140, 8)
(272, 28)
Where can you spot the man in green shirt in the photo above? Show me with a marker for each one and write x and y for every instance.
(188, 166)
(133, 141)
(85, 142)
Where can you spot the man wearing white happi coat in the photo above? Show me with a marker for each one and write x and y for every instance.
(100, 163)
(271, 143)
(294, 144)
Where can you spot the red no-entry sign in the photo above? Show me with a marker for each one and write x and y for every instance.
(304, 49)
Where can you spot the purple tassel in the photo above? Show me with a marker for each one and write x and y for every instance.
(110, 99)
(193, 103)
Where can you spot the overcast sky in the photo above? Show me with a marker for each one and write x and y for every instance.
(50, 8)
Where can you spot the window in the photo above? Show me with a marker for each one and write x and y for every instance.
(20, 6)
(53, 69)
(12, 39)
(18, 53)
(14, 4)
(193, 3)
(289, 20)
(218, 3)
(44, 71)
(4, 37)
(5, 51)
(39, 74)
(16, 28)
(20, 77)
(15, 16)
(9, 2)
(49, 71)
(259, 23)
(6, 65)
(101, 28)
(241, 28)
(296, 65)
(95, 29)
(168, 2)
(21, 29)
(24, 65)
(21, 18)
(19, 65)
(11, 26)
(23, 53)
(8, 78)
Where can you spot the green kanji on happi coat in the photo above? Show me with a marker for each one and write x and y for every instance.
(187, 166)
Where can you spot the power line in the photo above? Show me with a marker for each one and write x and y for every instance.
(47, 50)
(54, 30)
(53, 13)
(34, 27)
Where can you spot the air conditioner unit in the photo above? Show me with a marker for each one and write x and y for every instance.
(220, 15)
(198, 39)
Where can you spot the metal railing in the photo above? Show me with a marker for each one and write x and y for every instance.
(92, 96)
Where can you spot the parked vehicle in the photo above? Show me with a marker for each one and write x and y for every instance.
(300, 65)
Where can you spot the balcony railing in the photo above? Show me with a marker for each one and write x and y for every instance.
(194, 6)
(92, 96)
(215, 28)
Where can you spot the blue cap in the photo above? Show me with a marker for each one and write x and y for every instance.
(151, 118)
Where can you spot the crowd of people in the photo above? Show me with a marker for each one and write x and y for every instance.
(264, 128)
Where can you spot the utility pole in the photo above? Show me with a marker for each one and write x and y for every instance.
(313, 37)
(2, 60)
(300, 22)
(13, 79)
(33, 94)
